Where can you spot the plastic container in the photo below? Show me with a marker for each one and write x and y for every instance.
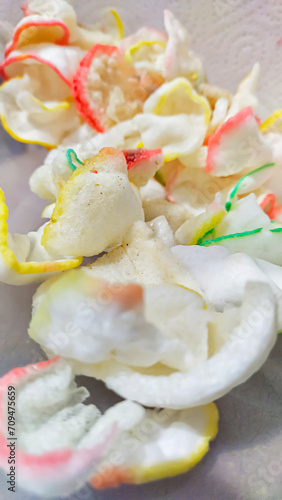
(245, 460)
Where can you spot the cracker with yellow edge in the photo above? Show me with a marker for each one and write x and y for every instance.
(95, 207)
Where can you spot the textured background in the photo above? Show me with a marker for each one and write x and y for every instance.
(245, 461)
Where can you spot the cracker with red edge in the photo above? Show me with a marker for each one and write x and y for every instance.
(31, 30)
(56, 21)
(44, 21)
(271, 207)
(63, 443)
(60, 441)
(142, 164)
(237, 145)
(106, 88)
(63, 60)
(36, 104)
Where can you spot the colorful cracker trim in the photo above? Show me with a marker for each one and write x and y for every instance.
(225, 129)
(236, 190)
(142, 164)
(271, 207)
(27, 34)
(23, 57)
(10, 259)
(131, 473)
(230, 237)
(211, 220)
(71, 157)
(159, 98)
(269, 124)
(119, 23)
(53, 471)
(79, 85)
(19, 139)
(62, 59)
(129, 53)
(29, 120)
